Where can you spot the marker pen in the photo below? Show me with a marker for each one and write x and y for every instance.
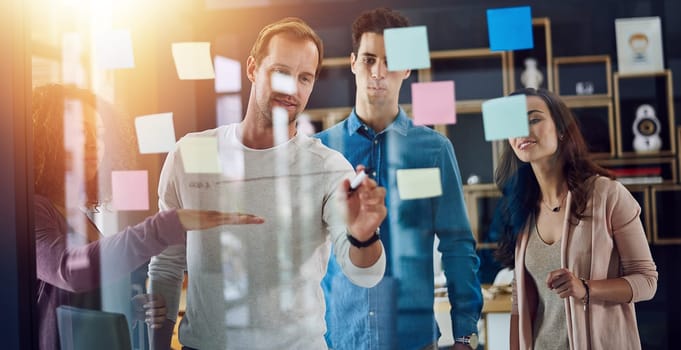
(354, 184)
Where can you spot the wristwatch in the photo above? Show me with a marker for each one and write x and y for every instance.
(470, 340)
(363, 244)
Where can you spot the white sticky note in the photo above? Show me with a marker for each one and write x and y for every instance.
(155, 133)
(227, 75)
(283, 83)
(280, 125)
(113, 49)
(192, 60)
(200, 155)
(419, 183)
(72, 67)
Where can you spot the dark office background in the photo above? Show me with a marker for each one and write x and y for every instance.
(579, 27)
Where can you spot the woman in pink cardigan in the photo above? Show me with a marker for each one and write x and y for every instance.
(69, 248)
(574, 237)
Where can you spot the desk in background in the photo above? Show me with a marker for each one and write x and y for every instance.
(494, 327)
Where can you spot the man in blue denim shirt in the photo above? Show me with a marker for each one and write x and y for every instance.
(398, 312)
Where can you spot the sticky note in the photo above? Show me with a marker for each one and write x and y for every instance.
(130, 190)
(407, 48)
(280, 125)
(192, 60)
(200, 155)
(419, 183)
(73, 71)
(510, 28)
(113, 49)
(227, 75)
(155, 133)
(505, 117)
(283, 83)
(433, 103)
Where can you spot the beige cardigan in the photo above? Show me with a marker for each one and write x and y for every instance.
(609, 243)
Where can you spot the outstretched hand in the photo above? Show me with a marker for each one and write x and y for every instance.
(365, 207)
(192, 219)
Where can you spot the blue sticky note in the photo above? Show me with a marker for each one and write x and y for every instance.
(407, 48)
(505, 117)
(510, 28)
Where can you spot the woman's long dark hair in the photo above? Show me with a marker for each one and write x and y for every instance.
(51, 159)
(519, 185)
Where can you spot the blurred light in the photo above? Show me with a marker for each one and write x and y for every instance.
(227, 75)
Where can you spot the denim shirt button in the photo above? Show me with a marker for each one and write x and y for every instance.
(371, 313)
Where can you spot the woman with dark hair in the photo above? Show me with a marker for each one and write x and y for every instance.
(573, 235)
(69, 251)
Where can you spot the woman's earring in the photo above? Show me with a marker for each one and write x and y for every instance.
(560, 137)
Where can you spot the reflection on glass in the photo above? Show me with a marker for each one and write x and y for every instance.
(227, 75)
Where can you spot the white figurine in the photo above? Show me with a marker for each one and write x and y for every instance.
(531, 76)
(646, 130)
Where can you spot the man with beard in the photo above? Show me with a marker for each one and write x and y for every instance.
(259, 288)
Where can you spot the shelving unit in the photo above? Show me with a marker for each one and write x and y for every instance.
(599, 98)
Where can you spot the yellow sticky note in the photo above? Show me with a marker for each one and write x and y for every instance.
(192, 60)
(419, 183)
(200, 155)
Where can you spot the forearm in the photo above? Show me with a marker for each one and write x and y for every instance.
(363, 276)
(460, 265)
(161, 338)
(615, 290)
(514, 337)
(366, 257)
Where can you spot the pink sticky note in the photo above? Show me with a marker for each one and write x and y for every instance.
(130, 190)
(433, 103)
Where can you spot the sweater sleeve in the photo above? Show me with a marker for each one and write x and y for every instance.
(77, 268)
(638, 267)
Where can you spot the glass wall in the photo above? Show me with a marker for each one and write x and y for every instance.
(117, 83)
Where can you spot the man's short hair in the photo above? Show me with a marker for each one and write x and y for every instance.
(375, 21)
(293, 26)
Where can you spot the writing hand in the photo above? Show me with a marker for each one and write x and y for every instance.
(365, 207)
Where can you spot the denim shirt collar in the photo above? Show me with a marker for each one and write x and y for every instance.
(400, 125)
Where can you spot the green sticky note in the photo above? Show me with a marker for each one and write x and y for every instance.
(200, 155)
(419, 183)
(505, 117)
(407, 48)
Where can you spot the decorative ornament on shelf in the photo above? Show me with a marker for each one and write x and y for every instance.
(584, 88)
(639, 45)
(473, 179)
(531, 77)
(646, 130)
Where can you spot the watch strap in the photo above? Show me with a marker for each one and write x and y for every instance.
(363, 244)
